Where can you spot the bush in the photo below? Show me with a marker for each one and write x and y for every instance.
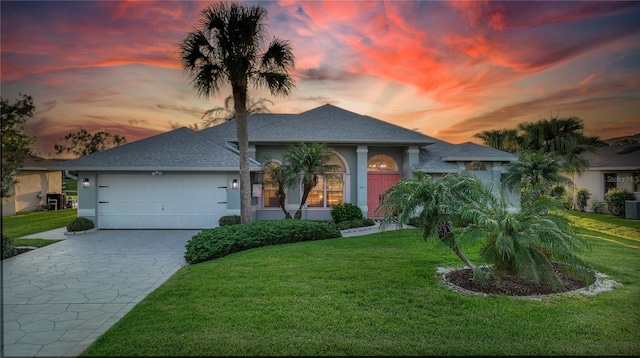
(368, 222)
(582, 197)
(8, 247)
(345, 212)
(80, 224)
(615, 199)
(597, 206)
(222, 241)
(229, 220)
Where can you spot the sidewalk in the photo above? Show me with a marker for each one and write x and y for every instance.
(55, 234)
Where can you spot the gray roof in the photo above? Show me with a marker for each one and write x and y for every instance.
(618, 157)
(180, 149)
(325, 124)
(442, 157)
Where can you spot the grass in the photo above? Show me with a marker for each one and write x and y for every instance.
(375, 295)
(34, 242)
(21, 224)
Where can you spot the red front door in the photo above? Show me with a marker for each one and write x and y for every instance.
(377, 184)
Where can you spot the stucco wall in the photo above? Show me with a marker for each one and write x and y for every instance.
(30, 184)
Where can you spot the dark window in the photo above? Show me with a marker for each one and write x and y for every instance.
(610, 181)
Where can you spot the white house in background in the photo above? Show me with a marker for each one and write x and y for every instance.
(615, 166)
(35, 179)
(189, 179)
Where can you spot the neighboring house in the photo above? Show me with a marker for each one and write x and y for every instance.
(35, 179)
(188, 179)
(615, 166)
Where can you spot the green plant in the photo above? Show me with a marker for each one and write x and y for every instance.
(615, 199)
(80, 224)
(582, 197)
(8, 247)
(597, 206)
(225, 240)
(368, 222)
(345, 212)
(229, 220)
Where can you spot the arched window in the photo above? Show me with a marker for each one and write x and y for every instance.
(269, 190)
(382, 163)
(330, 188)
(476, 166)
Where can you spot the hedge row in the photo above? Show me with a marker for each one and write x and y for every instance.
(221, 241)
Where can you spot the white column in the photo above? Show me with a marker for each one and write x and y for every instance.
(413, 156)
(362, 177)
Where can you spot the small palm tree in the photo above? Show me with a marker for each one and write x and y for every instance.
(535, 170)
(219, 115)
(280, 177)
(227, 47)
(307, 163)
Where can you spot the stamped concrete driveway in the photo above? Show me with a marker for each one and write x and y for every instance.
(60, 298)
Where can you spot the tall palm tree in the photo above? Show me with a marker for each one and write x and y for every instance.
(218, 115)
(225, 47)
(307, 163)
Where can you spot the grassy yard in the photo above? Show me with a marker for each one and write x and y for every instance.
(375, 295)
(22, 224)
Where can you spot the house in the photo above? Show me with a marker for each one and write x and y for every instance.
(35, 179)
(189, 179)
(615, 166)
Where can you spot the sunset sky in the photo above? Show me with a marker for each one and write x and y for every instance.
(446, 69)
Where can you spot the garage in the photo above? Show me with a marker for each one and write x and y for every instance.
(160, 200)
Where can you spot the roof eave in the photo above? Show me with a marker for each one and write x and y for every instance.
(481, 159)
(154, 168)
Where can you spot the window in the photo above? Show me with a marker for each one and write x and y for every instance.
(269, 190)
(330, 188)
(381, 163)
(476, 166)
(610, 181)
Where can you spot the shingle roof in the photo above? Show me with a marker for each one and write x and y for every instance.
(180, 149)
(441, 157)
(620, 157)
(326, 124)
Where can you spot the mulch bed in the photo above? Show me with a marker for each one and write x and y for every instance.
(510, 285)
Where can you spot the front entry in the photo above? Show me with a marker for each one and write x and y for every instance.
(377, 184)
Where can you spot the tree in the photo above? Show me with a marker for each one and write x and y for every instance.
(220, 115)
(84, 143)
(306, 163)
(17, 145)
(503, 139)
(281, 178)
(225, 48)
(459, 210)
(535, 170)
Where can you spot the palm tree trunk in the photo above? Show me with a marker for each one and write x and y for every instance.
(242, 131)
(447, 237)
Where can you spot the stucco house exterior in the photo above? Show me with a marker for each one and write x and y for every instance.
(189, 179)
(615, 166)
(35, 179)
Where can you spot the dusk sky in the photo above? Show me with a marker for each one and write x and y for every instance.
(446, 69)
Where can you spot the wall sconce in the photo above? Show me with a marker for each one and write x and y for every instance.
(156, 173)
(85, 183)
(234, 184)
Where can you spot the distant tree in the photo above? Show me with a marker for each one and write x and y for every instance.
(624, 141)
(502, 139)
(84, 143)
(219, 115)
(226, 47)
(17, 145)
(308, 162)
(176, 125)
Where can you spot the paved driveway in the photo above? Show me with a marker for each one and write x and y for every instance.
(60, 298)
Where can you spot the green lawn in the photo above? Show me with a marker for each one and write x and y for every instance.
(21, 224)
(374, 295)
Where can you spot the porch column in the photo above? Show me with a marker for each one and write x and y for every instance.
(413, 156)
(362, 177)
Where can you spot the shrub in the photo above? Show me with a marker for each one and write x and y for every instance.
(222, 241)
(582, 197)
(615, 199)
(80, 224)
(229, 220)
(597, 206)
(368, 222)
(8, 247)
(345, 212)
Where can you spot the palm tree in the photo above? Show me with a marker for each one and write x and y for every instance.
(436, 204)
(225, 48)
(280, 177)
(226, 113)
(503, 139)
(307, 163)
(535, 170)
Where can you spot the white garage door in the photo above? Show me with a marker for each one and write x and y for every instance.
(168, 201)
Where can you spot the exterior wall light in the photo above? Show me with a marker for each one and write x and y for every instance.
(85, 183)
(234, 184)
